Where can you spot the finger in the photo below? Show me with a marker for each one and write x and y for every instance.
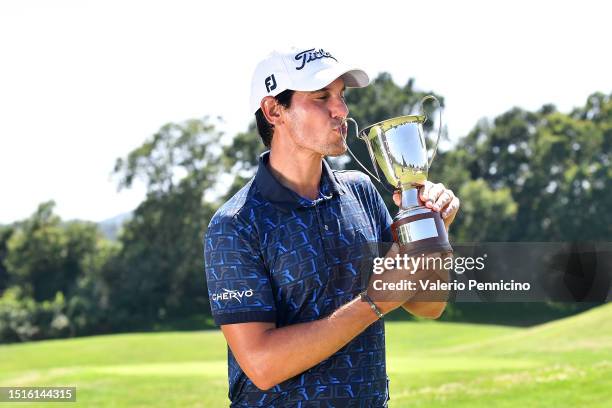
(434, 194)
(397, 197)
(451, 210)
(425, 191)
(444, 199)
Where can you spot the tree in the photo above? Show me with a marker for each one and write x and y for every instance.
(157, 273)
(45, 256)
(486, 215)
(5, 235)
(555, 165)
(53, 284)
(241, 157)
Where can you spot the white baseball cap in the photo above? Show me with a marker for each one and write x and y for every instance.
(301, 69)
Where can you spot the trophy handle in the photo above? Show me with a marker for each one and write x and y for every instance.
(377, 176)
(435, 149)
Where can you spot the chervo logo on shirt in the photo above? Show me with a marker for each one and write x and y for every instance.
(232, 294)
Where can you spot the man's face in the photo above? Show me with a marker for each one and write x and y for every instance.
(315, 119)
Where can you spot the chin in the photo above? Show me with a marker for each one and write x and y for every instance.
(334, 150)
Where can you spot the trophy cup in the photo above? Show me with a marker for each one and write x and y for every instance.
(398, 146)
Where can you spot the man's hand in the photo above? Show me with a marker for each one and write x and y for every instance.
(383, 287)
(389, 300)
(437, 198)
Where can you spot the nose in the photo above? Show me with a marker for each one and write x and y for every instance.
(339, 108)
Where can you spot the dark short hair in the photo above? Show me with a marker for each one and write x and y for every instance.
(265, 128)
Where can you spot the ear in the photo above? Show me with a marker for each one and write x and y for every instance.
(271, 110)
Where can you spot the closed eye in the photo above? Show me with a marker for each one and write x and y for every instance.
(325, 93)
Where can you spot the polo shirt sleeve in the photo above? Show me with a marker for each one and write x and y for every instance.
(239, 286)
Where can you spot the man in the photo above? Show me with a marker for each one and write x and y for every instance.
(282, 255)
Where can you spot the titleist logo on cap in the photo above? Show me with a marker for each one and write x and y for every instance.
(311, 55)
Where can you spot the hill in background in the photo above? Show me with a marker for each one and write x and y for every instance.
(110, 227)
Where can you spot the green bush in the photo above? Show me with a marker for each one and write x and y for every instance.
(23, 319)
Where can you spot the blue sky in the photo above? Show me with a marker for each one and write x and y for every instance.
(84, 82)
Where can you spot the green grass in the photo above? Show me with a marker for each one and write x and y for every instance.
(431, 364)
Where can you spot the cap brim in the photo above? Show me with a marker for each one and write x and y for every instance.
(352, 77)
(356, 78)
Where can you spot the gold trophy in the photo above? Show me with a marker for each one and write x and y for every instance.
(398, 146)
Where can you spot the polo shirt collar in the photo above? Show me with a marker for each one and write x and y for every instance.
(272, 190)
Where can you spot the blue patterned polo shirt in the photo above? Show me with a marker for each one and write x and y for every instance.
(273, 256)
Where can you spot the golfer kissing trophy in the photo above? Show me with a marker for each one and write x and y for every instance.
(398, 146)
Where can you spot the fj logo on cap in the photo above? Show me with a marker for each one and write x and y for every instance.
(270, 83)
(311, 55)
